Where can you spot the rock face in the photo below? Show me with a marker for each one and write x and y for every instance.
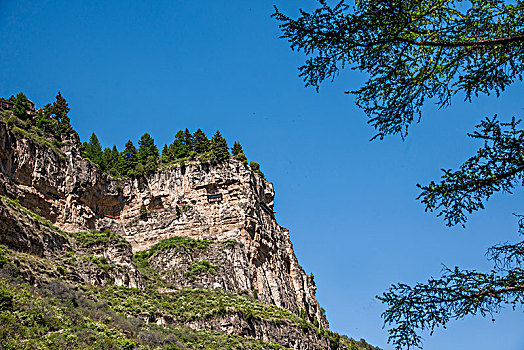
(223, 203)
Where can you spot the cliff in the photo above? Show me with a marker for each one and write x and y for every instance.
(208, 228)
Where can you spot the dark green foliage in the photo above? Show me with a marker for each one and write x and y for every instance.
(497, 166)
(128, 160)
(21, 106)
(219, 148)
(164, 157)
(236, 149)
(143, 211)
(188, 141)
(241, 157)
(92, 150)
(256, 168)
(44, 122)
(60, 108)
(91, 238)
(201, 143)
(6, 300)
(110, 160)
(61, 270)
(147, 154)
(52, 120)
(183, 145)
(420, 51)
(199, 267)
(3, 259)
(59, 111)
(415, 52)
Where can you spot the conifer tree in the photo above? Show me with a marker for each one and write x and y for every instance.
(93, 151)
(188, 142)
(219, 147)
(107, 159)
(20, 106)
(147, 153)
(128, 159)
(165, 157)
(59, 109)
(237, 148)
(110, 158)
(200, 142)
(179, 149)
(146, 148)
(116, 155)
(238, 152)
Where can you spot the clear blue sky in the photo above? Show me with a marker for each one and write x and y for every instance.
(158, 66)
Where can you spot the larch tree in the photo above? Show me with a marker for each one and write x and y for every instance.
(415, 52)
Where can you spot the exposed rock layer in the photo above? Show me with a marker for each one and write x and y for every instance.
(72, 193)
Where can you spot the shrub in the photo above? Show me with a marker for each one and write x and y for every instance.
(143, 211)
(201, 266)
(3, 259)
(6, 300)
(61, 270)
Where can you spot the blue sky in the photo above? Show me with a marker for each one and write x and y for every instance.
(159, 66)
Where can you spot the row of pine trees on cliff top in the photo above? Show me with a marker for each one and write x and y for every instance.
(53, 120)
(146, 159)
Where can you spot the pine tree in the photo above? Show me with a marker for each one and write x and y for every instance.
(128, 159)
(116, 155)
(219, 147)
(107, 159)
(200, 142)
(20, 106)
(236, 149)
(179, 149)
(188, 143)
(238, 152)
(93, 151)
(110, 158)
(60, 109)
(165, 157)
(147, 153)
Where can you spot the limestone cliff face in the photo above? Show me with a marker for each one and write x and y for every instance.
(255, 252)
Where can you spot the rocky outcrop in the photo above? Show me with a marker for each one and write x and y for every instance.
(226, 202)
(27, 233)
